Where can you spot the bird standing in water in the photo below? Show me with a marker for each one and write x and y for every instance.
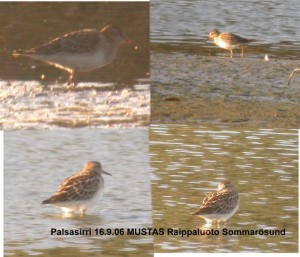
(220, 205)
(80, 51)
(80, 191)
(229, 41)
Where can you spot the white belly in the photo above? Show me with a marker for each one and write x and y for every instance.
(81, 62)
(224, 44)
(220, 216)
(70, 206)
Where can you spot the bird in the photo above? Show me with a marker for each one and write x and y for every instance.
(80, 51)
(220, 205)
(229, 41)
(296, 70)
(80, 191)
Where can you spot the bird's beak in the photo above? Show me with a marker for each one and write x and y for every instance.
(103, 171)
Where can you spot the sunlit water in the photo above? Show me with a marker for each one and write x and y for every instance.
(29, 104)
(36, 163)
(188, 162)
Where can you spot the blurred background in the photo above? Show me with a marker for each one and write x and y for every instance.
(36, 163)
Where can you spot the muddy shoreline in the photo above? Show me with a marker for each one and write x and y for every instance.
(216, 90)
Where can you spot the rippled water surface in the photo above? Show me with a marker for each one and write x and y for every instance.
(35, 165)
(181, 23)
(188, 162)
(28, 105)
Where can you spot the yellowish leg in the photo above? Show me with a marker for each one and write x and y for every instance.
(72, 78)
(82, 212)
(292, 74)
(231, 53)
(242, 52)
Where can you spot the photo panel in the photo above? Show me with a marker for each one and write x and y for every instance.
(36, 164)
(194, 79)
(88, 170)
(74, 65)
(223, 190)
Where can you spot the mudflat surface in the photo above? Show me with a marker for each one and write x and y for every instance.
(251, 92)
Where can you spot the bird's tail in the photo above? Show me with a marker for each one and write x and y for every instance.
(19, 52)
(16, 53)
(248, 40)
(196, 213)
(46, 201)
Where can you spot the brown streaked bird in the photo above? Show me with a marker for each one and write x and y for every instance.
(220, 205)
(229, 41)
(296, 70)
(80, 51)
(80, 191)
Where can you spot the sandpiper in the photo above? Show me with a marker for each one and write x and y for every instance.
(229, 41)
(220, 205)
(296, 70)
(80, 51)
(80, 191)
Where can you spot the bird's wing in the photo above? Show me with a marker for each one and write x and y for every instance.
(213, 202)
(76, 187)
(78, 41)
(234, 39)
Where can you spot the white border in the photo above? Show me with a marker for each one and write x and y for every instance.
(298, 186)
(223, 254)
(1, 193)
(77, 1)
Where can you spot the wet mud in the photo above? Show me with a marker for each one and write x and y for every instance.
(239, 92)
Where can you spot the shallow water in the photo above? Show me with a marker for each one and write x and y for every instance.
(29, 104)
(189, 161)
(35, 165)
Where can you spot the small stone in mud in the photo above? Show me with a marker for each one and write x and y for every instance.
(171, 98)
